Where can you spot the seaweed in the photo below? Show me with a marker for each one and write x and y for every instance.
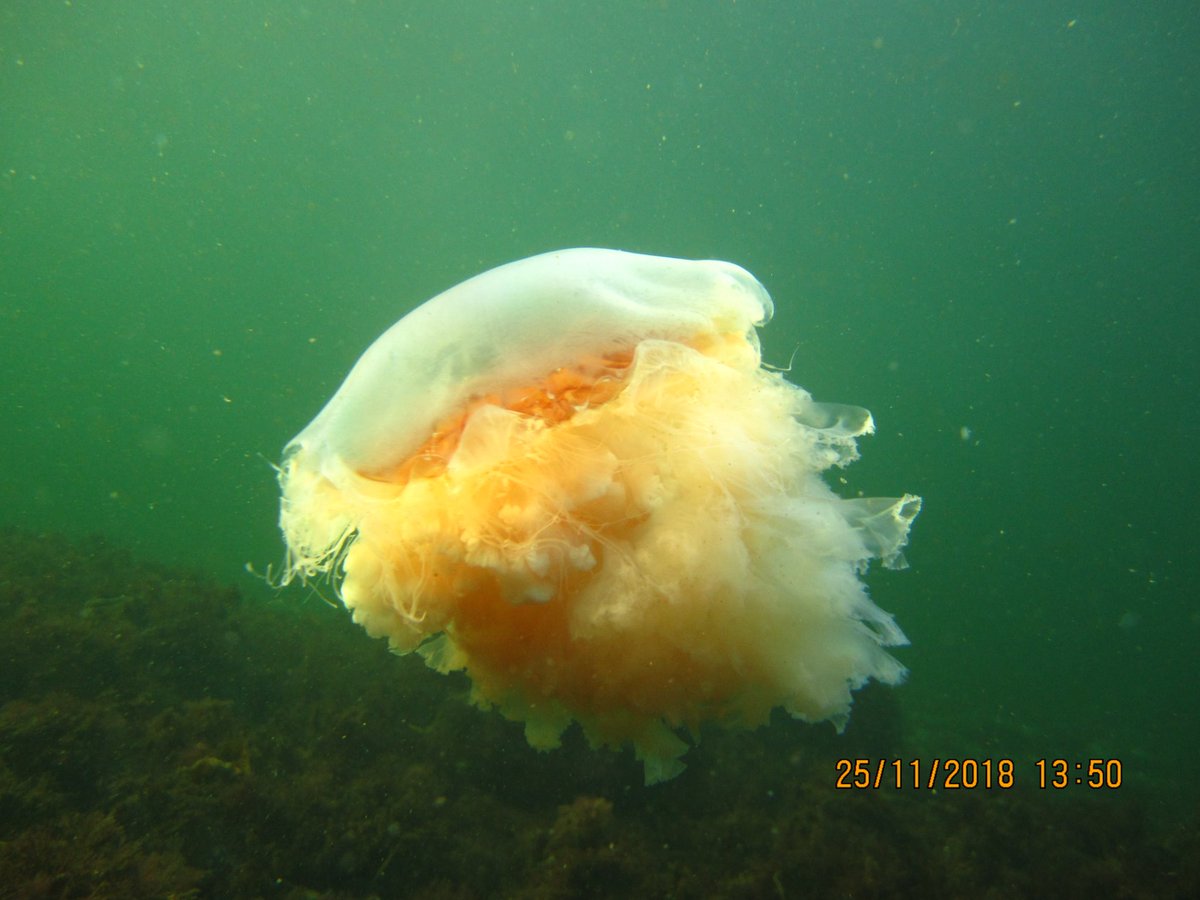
(162, 735)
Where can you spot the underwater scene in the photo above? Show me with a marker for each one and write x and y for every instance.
(558, 449)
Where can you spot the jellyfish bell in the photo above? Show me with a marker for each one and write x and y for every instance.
(514, 325)
(572, 478)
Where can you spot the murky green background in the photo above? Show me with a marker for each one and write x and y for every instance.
(981, 220)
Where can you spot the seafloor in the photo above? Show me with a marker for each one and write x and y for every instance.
(162, 736)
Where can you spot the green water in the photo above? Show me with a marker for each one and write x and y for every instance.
(980, 220)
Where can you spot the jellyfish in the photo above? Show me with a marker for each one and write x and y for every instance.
(573, 478)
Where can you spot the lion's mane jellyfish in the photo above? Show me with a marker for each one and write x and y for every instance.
(572, 478)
